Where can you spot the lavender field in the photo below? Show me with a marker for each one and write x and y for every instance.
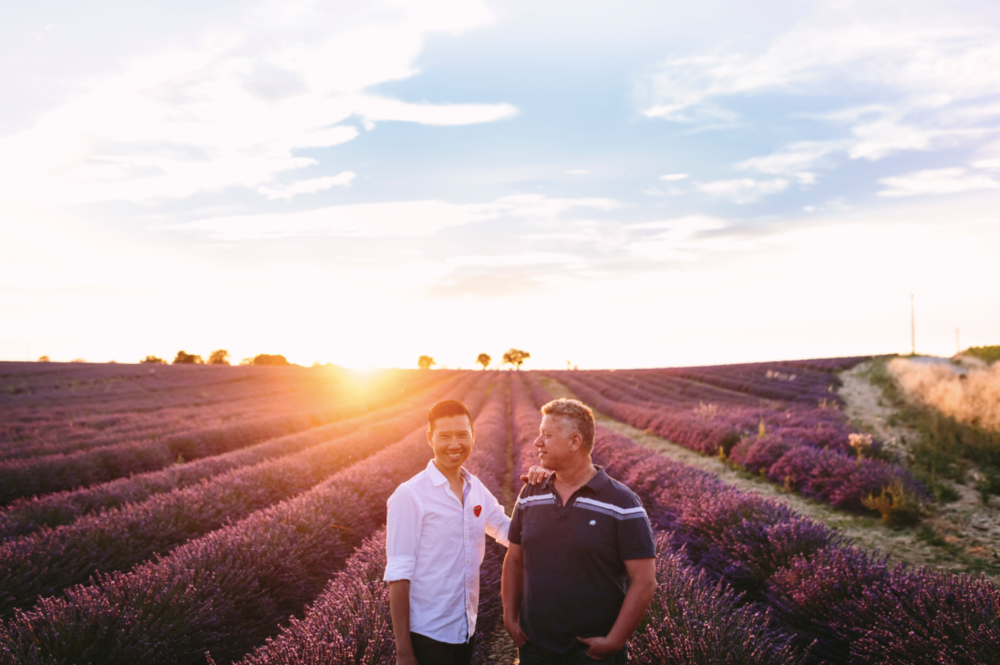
(236, 514)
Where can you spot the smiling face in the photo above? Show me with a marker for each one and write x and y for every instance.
(451, 439)
(558, 442)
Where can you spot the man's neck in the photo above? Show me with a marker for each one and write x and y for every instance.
(453, 476)
(573, 478)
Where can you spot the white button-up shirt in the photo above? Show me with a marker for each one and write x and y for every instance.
(437, 544)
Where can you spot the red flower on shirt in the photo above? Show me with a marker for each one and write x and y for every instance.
(477, 510)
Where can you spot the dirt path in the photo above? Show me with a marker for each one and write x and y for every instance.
(900, 544)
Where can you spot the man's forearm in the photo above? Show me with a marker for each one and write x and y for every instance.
(637, 599)
(512, 587)
(399, 610)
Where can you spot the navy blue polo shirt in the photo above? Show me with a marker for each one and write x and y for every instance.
(574, 558)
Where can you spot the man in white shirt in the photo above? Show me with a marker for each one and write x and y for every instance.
(435, 542)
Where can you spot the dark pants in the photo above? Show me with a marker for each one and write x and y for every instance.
(431, 652)
(529, 654)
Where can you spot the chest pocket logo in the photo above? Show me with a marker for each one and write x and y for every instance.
(479, 509)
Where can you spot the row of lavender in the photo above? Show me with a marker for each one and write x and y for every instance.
(25, 516)
(744, 579)
(808, 450)
(57, 431)
(57, 418)
(792, 583)
(802, 381)
(349, 623)
(52, 403)
(224, 592)
(46, 562)
(40, 475)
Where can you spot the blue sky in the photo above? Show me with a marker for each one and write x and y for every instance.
(606, 183)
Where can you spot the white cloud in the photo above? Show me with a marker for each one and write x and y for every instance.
(743, 190)
(578, 172)
(675, 239)
(379, 109)
(928, 78)
(232, 111)
(796, 161)
(392, 219)
(670, 177)
(935, 181)
(310, 186)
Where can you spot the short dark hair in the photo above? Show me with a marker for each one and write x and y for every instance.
(577, 413)
(447, 409)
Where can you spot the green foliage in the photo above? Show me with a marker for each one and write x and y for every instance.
(220, 357)
(989, 354)
(727, 443)
(265, 359)
(184, 358)
(425, 362)
(927, 535)
(515, 357)
(987, 482)
(897, 506)
(153, 360)
(945, 447)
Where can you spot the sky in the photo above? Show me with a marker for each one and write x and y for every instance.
(601, 184)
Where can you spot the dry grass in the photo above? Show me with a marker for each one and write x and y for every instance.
(972, 399)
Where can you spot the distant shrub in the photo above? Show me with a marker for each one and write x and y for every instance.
(265, 359)
(43, 359)
(219, 357)
(153, 360)
(78, 360)
(989, 354)
(897, 506)
(972, 398)
(184, 358)
(425, 362)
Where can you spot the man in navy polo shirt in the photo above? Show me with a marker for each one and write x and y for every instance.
(581, 569)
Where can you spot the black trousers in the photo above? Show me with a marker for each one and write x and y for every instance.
(431, 652)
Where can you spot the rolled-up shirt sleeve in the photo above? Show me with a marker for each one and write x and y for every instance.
(497, 522)
(402, 535)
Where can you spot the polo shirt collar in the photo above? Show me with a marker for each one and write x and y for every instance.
(437, 478)
(596, 484)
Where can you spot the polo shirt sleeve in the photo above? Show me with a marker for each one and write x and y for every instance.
(514, 530)
(402, 535)
(635, 535)
(497, 522)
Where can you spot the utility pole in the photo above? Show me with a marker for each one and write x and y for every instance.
(913, 329)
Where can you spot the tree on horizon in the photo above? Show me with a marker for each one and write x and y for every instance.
(425, 362)
(483, 359)
(515, 357)
(219, 357)
(266, 359)
(153, 360)
(184, 358)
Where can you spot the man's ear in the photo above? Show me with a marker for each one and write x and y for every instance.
(430, 438)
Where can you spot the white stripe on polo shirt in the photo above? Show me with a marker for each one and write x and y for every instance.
(537, 499)
(438, 544)
(610, 509)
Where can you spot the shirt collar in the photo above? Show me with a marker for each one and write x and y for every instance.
(596, 484)
(437, 478)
